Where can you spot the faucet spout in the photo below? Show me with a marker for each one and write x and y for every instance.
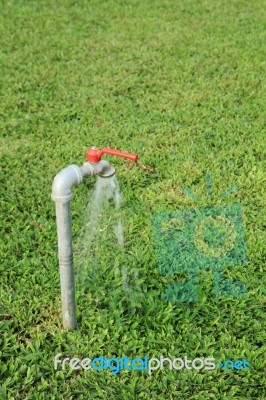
(101, 168)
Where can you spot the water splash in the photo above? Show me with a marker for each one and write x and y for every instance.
(103, 222)
(104, 191)
(103, 195)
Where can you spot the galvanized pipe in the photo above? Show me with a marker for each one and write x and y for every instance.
(64, 234)
(62, 195)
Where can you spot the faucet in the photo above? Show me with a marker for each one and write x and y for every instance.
(62, 195)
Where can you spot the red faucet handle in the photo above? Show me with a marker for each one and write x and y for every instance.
(118, 153)
(95, 155)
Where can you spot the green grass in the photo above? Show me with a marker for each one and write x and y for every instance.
(181, 83)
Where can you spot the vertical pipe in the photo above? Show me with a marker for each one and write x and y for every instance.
(62, 195)
(64, 234)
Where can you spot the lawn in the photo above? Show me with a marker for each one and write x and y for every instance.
(181, 83)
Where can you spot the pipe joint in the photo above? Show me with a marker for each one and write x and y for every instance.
(63, 183)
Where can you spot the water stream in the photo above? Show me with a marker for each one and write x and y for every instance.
(102, 227)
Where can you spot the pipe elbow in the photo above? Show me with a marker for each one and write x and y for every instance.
(63, 183)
